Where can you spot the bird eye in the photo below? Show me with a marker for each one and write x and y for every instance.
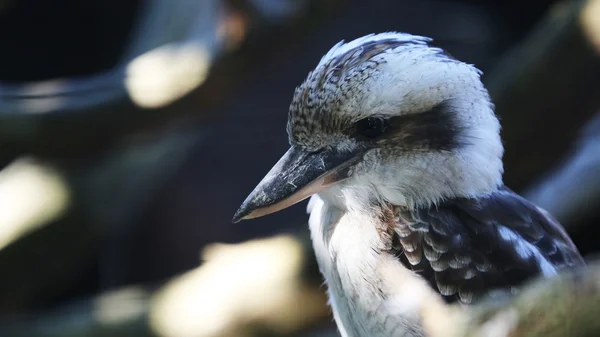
(371, 127)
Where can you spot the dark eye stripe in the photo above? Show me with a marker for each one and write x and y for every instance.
(434, 129)
(371, 127)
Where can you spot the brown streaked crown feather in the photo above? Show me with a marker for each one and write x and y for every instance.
(312, 115)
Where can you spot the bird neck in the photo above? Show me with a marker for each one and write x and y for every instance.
(352, 249)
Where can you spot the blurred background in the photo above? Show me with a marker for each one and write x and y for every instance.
(130, 132)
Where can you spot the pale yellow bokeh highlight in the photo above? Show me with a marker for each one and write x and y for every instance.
(120, 306)
(255, 282)
(31, 195)
(167, 73)
(590, 22)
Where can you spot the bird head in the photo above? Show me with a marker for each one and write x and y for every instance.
(385, 118)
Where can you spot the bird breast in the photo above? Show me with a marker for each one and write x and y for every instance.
(371, 293)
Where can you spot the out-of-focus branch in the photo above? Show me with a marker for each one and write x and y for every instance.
(546, 92)
(182, 58)
(571, 192)
(256, 288)
(546, 89)
(567, 305)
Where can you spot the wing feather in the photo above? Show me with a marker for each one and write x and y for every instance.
(469, 248)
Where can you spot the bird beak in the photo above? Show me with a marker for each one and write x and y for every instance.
(296, 176)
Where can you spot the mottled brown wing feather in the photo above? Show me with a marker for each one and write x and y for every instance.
(473, 248)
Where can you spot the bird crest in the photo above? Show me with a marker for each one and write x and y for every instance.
(337, 67)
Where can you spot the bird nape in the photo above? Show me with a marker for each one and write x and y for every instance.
(400, 149)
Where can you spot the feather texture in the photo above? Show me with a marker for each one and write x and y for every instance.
(468, 248)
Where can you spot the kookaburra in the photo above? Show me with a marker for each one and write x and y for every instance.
(398, 145)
